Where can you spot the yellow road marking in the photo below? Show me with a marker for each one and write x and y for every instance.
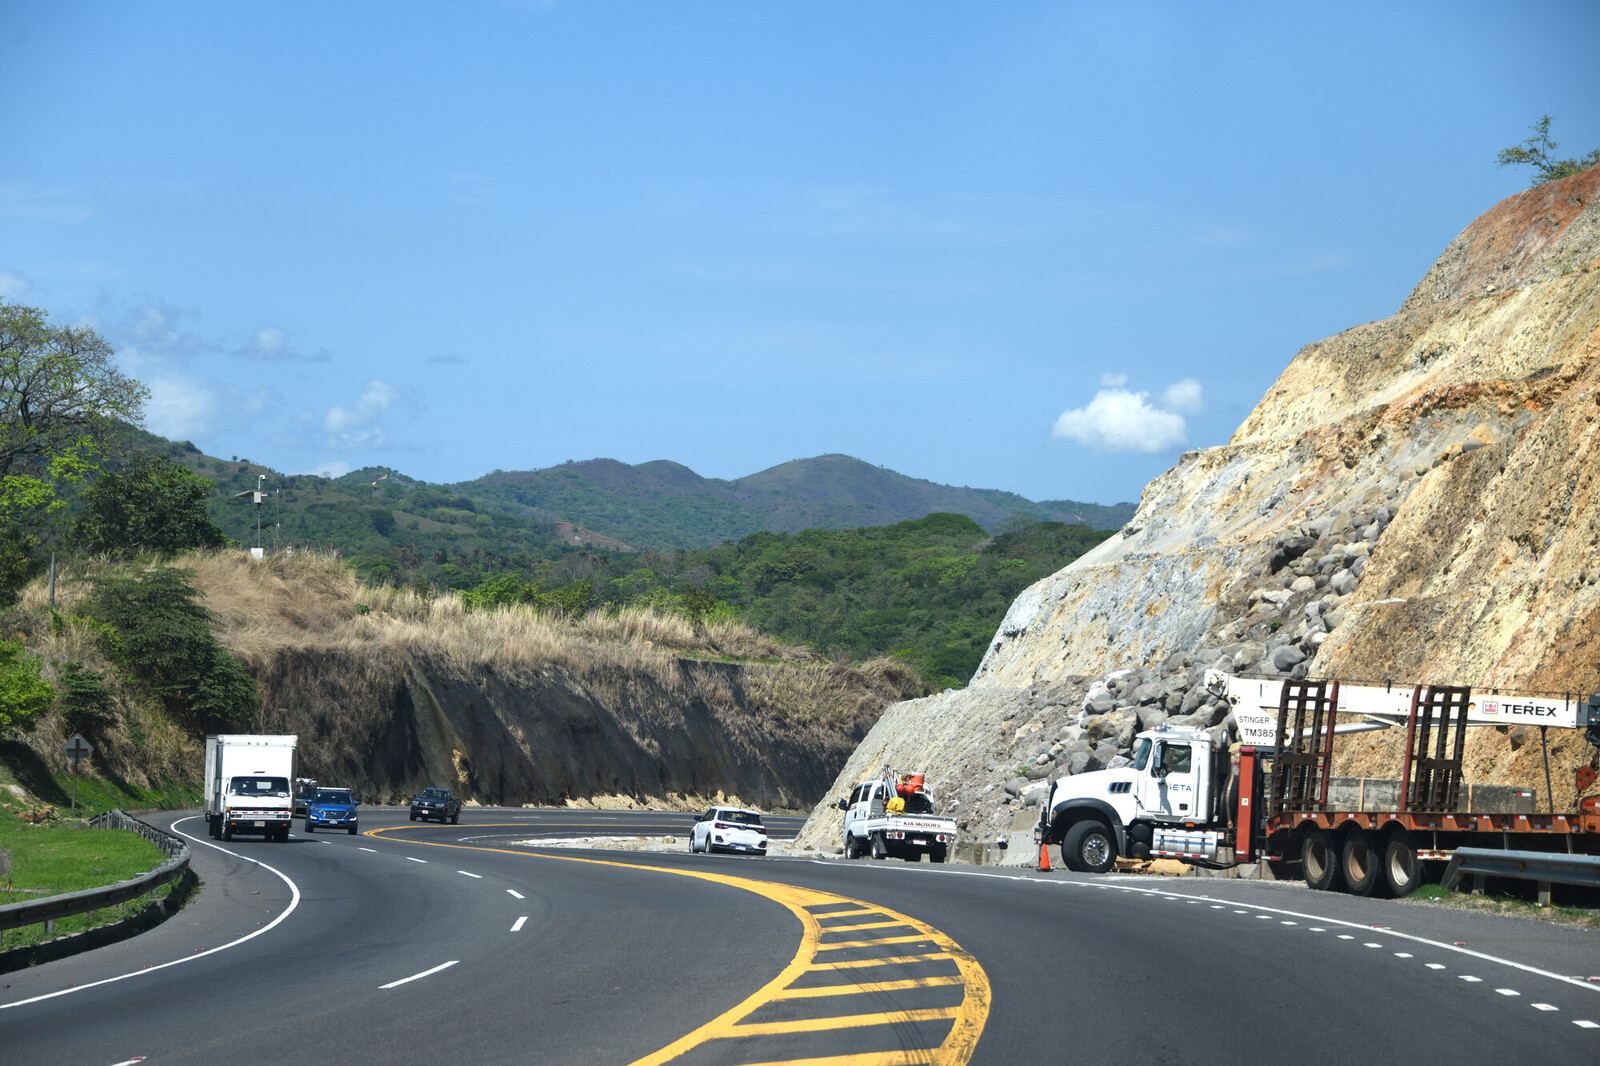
(875, 986)
(895, 960)
(968, 1019)
(846, 1021)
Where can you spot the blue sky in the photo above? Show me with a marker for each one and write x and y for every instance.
(1036, 247)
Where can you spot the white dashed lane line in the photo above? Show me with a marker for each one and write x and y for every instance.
(413, 859)
(516, 926)
(464, 873)
(420, 976)
(1510, 993)
(516, 894)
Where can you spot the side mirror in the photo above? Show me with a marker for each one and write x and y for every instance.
(844, 804)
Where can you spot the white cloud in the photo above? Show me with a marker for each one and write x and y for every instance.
(268, 344)
(12, 285)
(184, 407)
(1118, 420)
(357, 426)
(47, 205)
(1184, 397)
(332, 469)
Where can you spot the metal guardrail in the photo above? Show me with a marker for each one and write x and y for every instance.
(1545, 867)
(35, 912)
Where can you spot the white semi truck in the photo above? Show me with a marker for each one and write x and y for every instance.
(248, 785)
(894, 815)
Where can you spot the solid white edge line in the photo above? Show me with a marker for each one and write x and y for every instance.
(516, 926)
(1524, 967)
(420, 976)
(294, 901)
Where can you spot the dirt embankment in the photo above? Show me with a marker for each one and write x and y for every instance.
(390, 692)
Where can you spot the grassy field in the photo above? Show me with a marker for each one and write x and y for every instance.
(45, 851)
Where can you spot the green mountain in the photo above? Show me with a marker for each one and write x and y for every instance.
(666, 505)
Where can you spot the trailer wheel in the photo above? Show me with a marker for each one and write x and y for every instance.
(1089, 848)
(1319, 861)
(880, 850)
(1361, 863)
(1402, 870)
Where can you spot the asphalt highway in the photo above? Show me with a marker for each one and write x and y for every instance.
(424, 943)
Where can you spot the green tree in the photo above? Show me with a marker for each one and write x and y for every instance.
(1538, 152)
(160, 638)
(61, 400)
(151, 504)
(23, 693)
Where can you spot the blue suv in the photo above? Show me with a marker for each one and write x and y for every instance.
(332, 808)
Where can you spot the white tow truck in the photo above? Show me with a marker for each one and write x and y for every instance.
(248, 779)
(894, 815)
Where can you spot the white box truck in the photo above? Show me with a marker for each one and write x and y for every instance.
(248, 781)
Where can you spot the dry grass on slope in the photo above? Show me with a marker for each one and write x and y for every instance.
(312, 601)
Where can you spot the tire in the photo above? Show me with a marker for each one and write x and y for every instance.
(455, 819)
(1402, 870)
(227, 830)
(937, 855)
(1089, 847)
(352, 830)
(308, 826)
(1319, 862)
(852, 848)
(1361, 862)
(880, 850)
(413, 816)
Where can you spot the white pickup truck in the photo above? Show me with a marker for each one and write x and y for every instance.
(875, 822)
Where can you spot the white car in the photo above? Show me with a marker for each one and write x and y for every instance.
(729, 829)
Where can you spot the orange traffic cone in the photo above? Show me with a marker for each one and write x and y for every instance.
(1044, 856)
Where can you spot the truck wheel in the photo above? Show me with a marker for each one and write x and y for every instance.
(880, 850)
(1088, 848)
(1402, 870)
(227, 830)
(1319, 861)
(455, 819)
(413, 816)
(1360, 863)
(852, 850)
(936, 855)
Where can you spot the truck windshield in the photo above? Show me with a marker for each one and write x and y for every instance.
(1141, 757)
(259, 786)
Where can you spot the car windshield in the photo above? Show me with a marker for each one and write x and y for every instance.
(259, 786)
(329, 795)
(434, 794)
(746, 817)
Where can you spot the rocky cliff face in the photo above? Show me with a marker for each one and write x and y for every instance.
(680, 731)
(1414, 499)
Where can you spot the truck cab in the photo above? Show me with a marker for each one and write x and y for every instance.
(1161, 803)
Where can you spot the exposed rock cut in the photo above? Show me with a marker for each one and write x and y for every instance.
(1414, 499)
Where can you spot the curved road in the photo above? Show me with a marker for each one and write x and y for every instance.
(432, 943)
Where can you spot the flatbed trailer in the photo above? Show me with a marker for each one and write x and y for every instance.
(1282, 810)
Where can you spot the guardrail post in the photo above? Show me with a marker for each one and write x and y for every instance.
(1544, 893)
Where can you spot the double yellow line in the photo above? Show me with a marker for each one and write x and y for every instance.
(840, 935)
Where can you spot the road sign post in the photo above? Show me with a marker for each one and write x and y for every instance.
(79, 749)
